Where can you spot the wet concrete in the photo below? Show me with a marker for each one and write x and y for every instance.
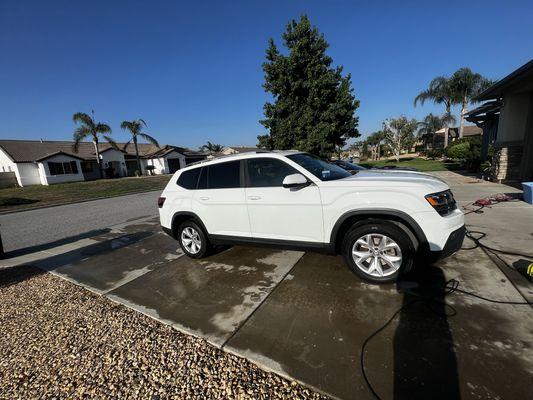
(313, 326)
(115, 262)
(210, 297)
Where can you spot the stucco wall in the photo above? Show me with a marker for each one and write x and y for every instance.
(161, 164)
(28, 174)
(513, 118)
(6, 163)
(116, 157)
(47, 179)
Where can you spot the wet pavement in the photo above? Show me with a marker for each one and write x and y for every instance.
(306, 316)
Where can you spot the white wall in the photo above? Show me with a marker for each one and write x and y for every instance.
(28, 174)
(6, 163)
(161, 164)
(114, 155)
(47, 179)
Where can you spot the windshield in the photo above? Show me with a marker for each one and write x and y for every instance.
(349, 166)
(318, 167)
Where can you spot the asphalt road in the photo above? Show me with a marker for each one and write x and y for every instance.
(25, 229)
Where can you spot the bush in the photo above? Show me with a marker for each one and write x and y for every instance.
(467, 151)
(435, 153)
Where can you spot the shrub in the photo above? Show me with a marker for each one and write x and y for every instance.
(467, 151)
(460, 151)
(435, 153)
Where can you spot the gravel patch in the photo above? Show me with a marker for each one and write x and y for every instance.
(58, 340)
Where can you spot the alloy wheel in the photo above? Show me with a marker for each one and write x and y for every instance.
(377, 255)
(190, 238)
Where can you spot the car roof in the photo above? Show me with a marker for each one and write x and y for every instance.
(244, 155)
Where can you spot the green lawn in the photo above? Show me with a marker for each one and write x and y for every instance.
(12, 199)
(418, 163)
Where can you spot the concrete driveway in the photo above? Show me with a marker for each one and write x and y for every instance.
(306, 316)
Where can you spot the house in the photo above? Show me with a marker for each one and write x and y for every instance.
(506, 118)
(37, 162)
(453, 134)
(238, 149)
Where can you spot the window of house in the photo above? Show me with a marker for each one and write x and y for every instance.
(63, 168)
(87, 166)
(267, 172)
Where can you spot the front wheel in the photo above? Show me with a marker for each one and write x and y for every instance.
(378, 252)
(193, 240)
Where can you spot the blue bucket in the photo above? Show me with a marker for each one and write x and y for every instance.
(528, 192)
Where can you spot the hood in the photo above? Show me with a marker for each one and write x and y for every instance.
(400, 178)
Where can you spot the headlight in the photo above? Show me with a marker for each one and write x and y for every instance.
(442, 202)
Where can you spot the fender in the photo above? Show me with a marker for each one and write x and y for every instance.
(396, 215)
(180, 215)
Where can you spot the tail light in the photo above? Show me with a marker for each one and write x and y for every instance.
(161, 201)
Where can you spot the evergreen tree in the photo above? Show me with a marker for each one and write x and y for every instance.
(313, 108)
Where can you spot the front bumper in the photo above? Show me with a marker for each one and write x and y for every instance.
(453, 244)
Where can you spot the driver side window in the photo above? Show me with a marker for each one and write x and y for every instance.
(267, 172)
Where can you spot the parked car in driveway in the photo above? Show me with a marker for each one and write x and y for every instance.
(379, 221)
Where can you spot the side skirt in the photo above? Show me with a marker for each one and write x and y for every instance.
(280, 244)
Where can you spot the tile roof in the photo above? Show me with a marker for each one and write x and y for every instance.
(34, 150)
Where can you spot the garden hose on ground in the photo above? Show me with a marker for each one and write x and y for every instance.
(450, 287)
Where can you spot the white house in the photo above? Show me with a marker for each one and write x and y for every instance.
(47, 162)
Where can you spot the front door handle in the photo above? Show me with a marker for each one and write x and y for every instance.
(254, 197)
(204, 198)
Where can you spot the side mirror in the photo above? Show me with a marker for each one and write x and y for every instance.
(294, 180)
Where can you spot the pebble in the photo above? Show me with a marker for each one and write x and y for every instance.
(60, 341)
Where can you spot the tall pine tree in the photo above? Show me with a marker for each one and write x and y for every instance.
(313, 108)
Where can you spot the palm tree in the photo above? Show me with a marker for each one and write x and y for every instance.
(90, 129)
(466, 85)
(135, 128)
(431, 124)
(212, 147)
(440, 91)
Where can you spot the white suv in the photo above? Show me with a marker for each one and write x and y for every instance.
(380, 221)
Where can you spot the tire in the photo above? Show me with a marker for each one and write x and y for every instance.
(389, 246)
(199, 245)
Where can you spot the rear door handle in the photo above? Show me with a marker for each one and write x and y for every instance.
(204, 198)
(254, 197)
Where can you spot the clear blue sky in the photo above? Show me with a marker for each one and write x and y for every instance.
(192, 69)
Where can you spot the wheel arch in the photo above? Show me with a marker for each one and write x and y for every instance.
(182, 216)
(399, 218)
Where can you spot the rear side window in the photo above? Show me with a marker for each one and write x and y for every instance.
(267, 172)
(224, 176)
(189, 179)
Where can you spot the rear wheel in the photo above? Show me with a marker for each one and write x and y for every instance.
(378, 252)
(193, 240)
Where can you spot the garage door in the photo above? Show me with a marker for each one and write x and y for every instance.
(173, 165)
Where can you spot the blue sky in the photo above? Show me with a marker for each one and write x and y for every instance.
(192, 69)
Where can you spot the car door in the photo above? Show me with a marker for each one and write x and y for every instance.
(280, 213)
(220, 200)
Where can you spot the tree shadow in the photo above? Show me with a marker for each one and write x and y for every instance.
(425, 365)
(55, 243)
